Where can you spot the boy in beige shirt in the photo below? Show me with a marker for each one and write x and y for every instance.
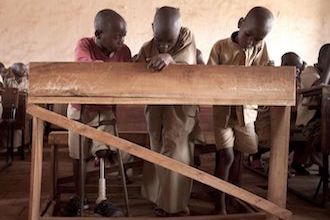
(234, 125)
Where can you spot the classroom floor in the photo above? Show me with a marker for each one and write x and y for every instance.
(14, 190)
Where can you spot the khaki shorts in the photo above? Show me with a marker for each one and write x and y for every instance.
(101, 120)
(90, 146)
(243, 139)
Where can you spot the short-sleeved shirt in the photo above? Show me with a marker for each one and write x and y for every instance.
(87, 51)
(228, 52)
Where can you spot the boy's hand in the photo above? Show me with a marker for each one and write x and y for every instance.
(160, 61)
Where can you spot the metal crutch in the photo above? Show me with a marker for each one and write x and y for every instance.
(121, 164)
(82, 168)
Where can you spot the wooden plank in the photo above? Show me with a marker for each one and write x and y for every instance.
(36, 169)
(159, 159)
(278, 165)
(50, 209)
(250, 216)
(17, 201)
(132, 83)
(58, 138)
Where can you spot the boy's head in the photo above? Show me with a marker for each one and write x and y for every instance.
(323, 62)
(110, 30)
(166, 27)
(292, 59)
(19, 70)
(254, 27)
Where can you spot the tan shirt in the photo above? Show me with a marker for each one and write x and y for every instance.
(227, 52)
(184, 50)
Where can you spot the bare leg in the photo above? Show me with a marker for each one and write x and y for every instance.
(76, 176)
(224, 161)
(235, 169)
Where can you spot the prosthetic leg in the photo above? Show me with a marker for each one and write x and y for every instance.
(101, 201)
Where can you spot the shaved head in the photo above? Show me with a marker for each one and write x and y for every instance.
(260, 16)
(106, 19)
(167, 19)
(292, 59)
(166, 27)
(19, 69)
(110, 30)
(255, 26)
(323, 63)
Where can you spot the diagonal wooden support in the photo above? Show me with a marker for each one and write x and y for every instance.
(152, 157)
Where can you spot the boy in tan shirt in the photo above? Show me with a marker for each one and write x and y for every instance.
(169, 126)
(234, 125)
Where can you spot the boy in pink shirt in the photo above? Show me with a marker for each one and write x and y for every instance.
(106, 46)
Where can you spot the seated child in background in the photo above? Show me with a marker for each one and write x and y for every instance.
(311, 119)
(21, 75)
(263, 119)
(8, 77)
(234, 129)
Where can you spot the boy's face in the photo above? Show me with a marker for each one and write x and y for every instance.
(251, 33)
(112, 38)
(166, 40)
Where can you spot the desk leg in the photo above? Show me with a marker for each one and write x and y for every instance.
(36, 169)
(278, 165)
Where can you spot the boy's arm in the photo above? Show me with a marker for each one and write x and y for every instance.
(142, 57)
(214, 58)
(83, 53)
(199, 57)
(262, 58)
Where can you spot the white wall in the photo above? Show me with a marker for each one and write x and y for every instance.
(40, 30)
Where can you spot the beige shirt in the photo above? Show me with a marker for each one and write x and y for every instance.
(184, 50)
(228, 52)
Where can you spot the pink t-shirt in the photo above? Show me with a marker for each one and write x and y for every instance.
(87, 51)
